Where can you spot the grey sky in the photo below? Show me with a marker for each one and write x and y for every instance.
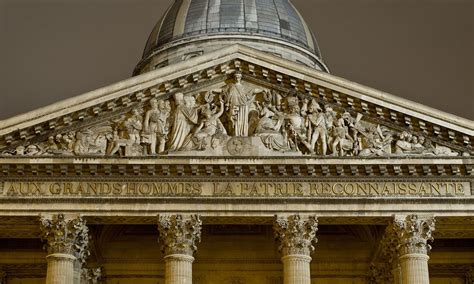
(417, 49)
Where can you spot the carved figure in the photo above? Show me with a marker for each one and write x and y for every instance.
(317, 127)
(376, 142)
(133, 125)
(156, 126)
(238, 101)
(185, 118)
(342, 140)
(403, 144)
(209, 127)
(269, 128)
(297, 132)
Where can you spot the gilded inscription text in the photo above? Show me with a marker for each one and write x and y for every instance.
(235, 189)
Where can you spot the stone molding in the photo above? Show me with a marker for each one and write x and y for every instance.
(179, 234)
(296, 234)
(414, 232)
(414, 117)
(65, 236)
(162, 166)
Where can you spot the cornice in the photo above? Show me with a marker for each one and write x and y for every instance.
(388, 110)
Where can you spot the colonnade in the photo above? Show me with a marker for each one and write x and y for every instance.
(179, 235)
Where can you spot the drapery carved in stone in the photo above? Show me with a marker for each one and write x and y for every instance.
(414, 232)
(179, 234)
(236, 119)
(68, 236)
(296, 234)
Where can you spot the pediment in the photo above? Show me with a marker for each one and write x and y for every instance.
(201, 107)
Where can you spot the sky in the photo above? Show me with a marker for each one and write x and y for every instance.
(421, 50)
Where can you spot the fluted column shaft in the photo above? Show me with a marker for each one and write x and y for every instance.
(179, 235)
(414, 233)
(65, 240)
(60, 269)
(296, 269)
(179, 269)
(77, 272)
(415, 268)
(297, 235)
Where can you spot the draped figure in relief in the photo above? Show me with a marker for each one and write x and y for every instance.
(186, 116)
(238, 101)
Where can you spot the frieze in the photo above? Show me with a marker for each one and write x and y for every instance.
(261, 189)
(237, 119)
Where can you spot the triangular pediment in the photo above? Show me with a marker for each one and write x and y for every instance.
(199, 108)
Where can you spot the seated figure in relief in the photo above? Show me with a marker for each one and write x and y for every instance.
(270, 126)
(210, 126)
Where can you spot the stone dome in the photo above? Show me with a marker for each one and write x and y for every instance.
(192, 27)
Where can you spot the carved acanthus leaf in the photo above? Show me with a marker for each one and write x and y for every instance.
(179, 234)
(296, 234)
(68, 236)
(91, 275)
(414, 232)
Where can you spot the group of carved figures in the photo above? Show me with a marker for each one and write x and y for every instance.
(203, 121)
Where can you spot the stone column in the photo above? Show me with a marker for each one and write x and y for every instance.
(3, 277)
(179, 236)
(296, 235)
(63, 237)
(397, 273)
(414, 232)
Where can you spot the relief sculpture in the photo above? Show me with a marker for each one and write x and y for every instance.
(237, 119)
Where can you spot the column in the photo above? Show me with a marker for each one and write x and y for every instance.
(81, 253)
(3, 277)
(297, 236)
(64, 238)
(179, 236)
(414, 232)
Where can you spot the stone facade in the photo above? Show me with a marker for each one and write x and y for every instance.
(236, 166)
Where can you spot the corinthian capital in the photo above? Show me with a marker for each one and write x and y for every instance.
(296, 234)
(414, 232)
(68, 236)
(179, 234)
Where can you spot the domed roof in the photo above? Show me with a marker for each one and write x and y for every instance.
(259, 20)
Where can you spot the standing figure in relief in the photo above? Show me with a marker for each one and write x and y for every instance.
(155, 127)
(342, 140)
(238, 101)
(133, 125)
(185, 118)
(317, 125)
(297, 132)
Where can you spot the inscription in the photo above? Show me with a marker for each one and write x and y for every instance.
(236, 189)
